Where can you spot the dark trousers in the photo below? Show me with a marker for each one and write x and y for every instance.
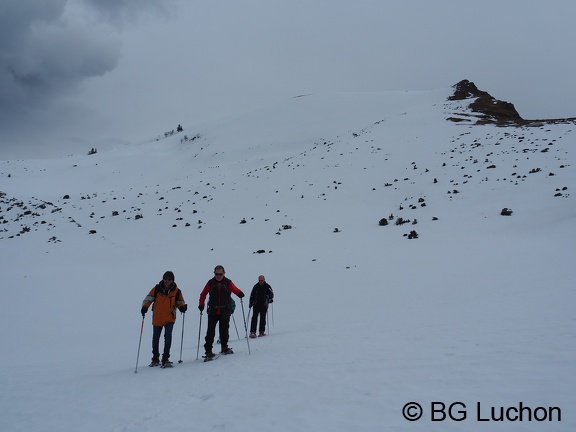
(224, 323)
(262, 312)
(167, 340)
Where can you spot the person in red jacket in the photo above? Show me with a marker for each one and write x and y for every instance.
(166, 297)
(220, 289)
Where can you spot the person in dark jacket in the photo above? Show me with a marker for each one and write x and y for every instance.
(260, 297)
(220, 289)
(166, 297)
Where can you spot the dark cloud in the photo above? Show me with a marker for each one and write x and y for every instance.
(45, 54)
(48, 48)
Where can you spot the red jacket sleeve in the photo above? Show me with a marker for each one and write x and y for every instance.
(234, 288)
(204, 293)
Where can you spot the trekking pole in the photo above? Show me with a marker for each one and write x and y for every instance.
(245, 327)
(199, 330)
(234, 320)
(182, 340)
(268, 322)
(249, 310)
(139, 343)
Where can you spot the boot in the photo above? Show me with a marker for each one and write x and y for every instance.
(227, 350)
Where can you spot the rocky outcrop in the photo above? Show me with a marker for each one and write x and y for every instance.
(485, 109)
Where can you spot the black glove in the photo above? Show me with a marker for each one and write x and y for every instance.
(240, 294)
(183, 308)
(143, 311)
(270, 301)
(249, 305)
(201, 308)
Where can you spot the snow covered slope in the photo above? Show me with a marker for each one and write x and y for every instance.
(448, 302)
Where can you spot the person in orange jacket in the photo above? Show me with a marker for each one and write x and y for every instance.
(219, 309)
(166, 297)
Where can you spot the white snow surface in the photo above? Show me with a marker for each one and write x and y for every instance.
(478, 310)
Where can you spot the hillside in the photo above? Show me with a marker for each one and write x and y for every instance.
(376, 217)
(118, 185)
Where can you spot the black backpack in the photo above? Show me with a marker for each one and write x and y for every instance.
(220, 300)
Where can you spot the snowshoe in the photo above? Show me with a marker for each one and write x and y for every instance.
(209, 357)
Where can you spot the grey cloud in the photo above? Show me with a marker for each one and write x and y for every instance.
(43, 54)
(17, 17)
(119, 11)
(54, 58)
(49, 48)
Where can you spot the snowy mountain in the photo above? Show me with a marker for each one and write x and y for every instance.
(420, 245)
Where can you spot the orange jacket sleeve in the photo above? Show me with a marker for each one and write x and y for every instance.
(149, 298)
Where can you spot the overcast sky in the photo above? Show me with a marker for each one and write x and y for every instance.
(77, 74)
